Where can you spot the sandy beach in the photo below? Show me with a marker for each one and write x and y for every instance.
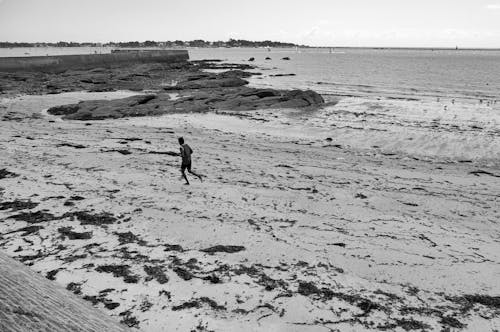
(287, 232)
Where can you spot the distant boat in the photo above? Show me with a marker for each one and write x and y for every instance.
(268, 49)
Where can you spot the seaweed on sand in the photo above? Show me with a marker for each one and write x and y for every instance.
(197, 303)
(129, 237)
(155, 272)
(67, 232)
(28, 230)
(34, 217)
(17, 205)
(128, 319)
(223, 248)
(119, 271)
(97, 219)
(366, 305)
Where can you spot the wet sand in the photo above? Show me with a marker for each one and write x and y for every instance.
(284, 234)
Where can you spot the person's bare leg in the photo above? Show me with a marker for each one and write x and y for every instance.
(184, 176)
(197, 175)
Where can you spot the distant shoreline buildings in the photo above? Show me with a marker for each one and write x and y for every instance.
(151, 43)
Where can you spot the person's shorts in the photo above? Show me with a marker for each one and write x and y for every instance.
(185, 166)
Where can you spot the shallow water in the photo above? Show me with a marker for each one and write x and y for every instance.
(383, 73)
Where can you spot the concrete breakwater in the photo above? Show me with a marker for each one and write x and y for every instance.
(59, 63)
(30, 302)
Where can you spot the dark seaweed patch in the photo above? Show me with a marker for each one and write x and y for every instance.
(28, 230)
(128, 319)
(155, 272)
(98, 219)
(34, 217)
(17, 205)
(223, 248)
(67, 232)
(119, 271)
(129, 237)
(198, 303)
(74, 287)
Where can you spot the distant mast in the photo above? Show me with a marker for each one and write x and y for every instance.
(456, 48)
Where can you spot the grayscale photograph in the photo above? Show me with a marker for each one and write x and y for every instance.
(229, 165)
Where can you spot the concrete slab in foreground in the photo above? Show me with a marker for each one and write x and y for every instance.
(30, 302)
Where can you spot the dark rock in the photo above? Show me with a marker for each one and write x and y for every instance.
(64, 109)
(101, 109)
(224, 91)
(251, 59)
(209, 83)
(285, 58)
(268, 58)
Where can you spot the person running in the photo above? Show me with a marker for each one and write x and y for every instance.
(186, 152)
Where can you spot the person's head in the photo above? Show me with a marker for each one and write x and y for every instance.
(181, 140)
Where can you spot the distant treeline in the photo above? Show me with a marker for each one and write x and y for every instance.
(151, 43)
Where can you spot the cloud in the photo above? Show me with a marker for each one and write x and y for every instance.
(327, 36)
(495, 6)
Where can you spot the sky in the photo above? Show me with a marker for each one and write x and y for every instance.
(357, 23)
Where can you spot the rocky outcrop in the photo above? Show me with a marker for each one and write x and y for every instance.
(234, 99)
(103, 109)
(199, 92)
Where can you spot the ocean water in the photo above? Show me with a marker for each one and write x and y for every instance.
(441, 104)
(385, 72)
